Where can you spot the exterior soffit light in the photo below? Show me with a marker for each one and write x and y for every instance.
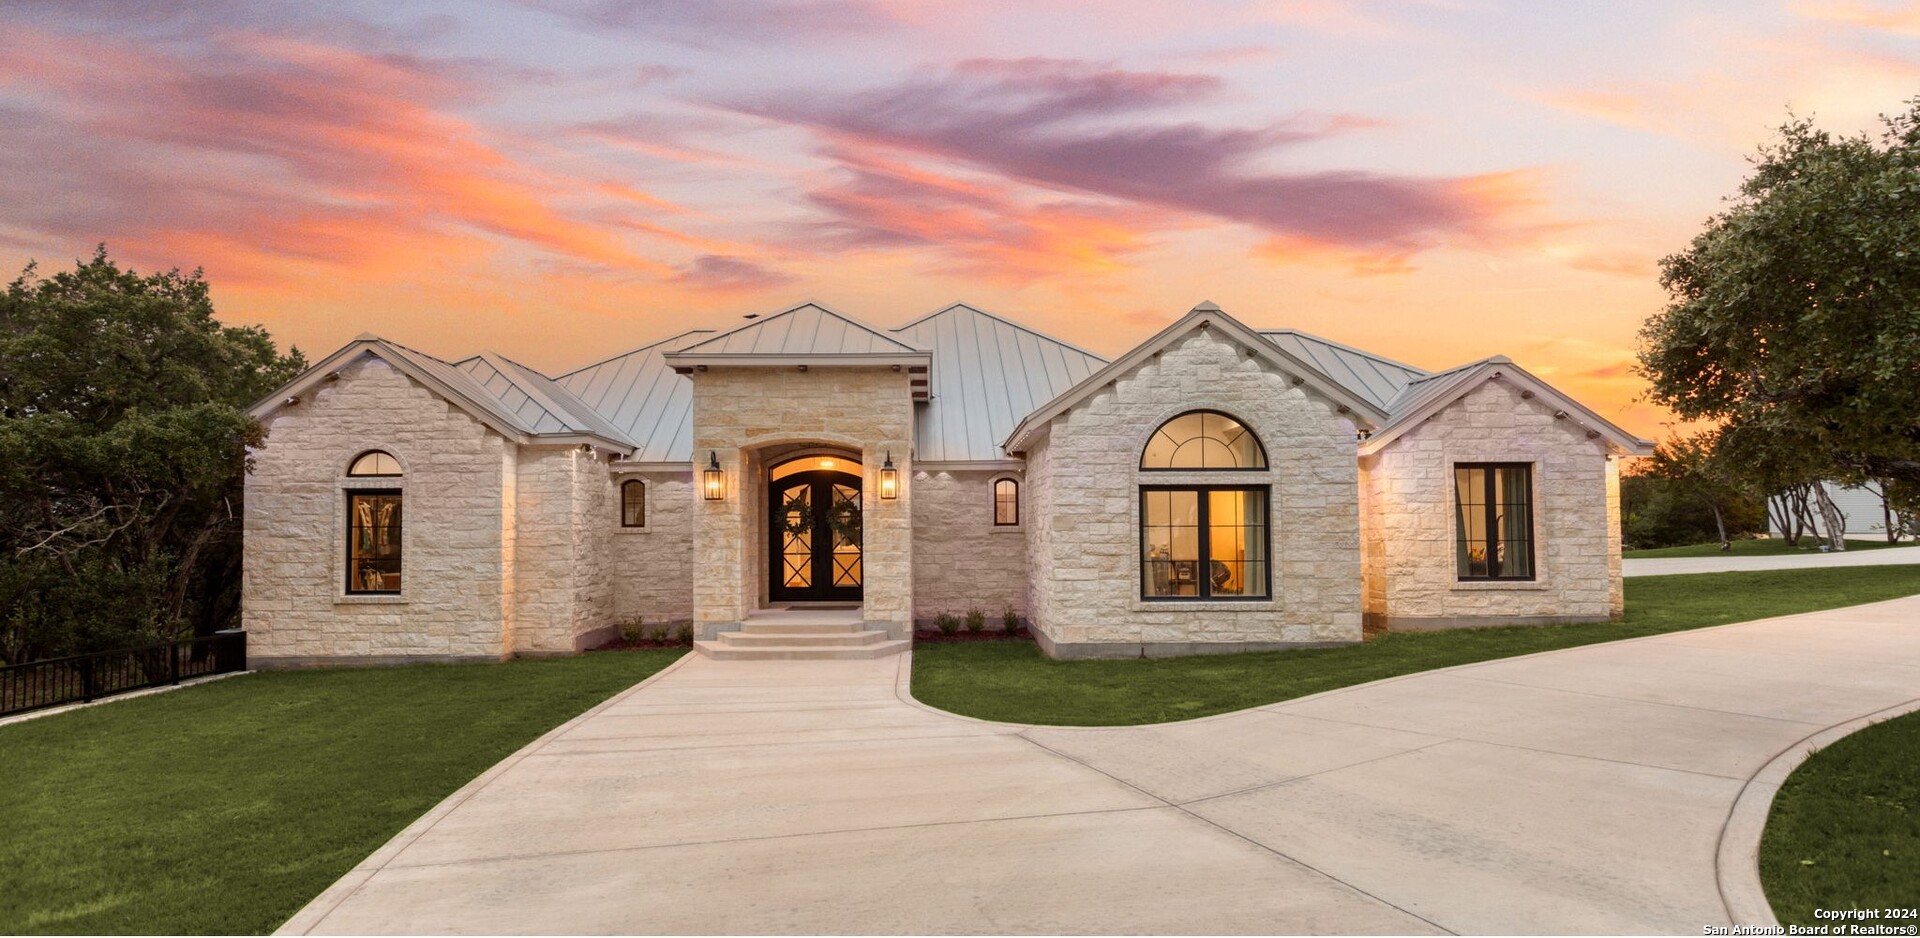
(889, 479)
(714, 480)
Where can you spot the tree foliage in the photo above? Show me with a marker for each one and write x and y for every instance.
(1684, 495)
(1793, 320)
(123, 437)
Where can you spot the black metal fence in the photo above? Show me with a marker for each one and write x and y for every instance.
(81, 678)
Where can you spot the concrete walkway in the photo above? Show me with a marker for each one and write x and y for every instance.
(1583, 790)
(1663, 566)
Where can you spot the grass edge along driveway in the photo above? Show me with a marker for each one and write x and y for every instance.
(224, 808)
(1844, 830)
(1013, 682)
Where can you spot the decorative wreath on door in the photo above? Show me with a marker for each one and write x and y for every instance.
(844, 519)
(796, 514)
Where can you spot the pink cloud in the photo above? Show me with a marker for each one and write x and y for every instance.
(1081, 127)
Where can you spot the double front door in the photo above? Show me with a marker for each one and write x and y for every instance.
(814, 537)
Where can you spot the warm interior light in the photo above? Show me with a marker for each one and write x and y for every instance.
(826, 464)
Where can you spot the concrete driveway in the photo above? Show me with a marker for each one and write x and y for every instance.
(1583, 790)
(1663, 566)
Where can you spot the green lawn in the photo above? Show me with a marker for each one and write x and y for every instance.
(1012, 681)
(1768, 547)
(1844, 832)
(224, 808)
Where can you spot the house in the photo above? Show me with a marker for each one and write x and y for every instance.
(1863, 509)
(1217, 488)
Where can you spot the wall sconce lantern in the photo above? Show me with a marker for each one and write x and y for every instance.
(889, 479)
(714, 484)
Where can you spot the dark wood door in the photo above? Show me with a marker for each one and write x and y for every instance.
(814, 537)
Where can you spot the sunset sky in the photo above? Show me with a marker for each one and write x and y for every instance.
(1435, 181)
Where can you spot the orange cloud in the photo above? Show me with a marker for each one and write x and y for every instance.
(1899, 18)
(264, 152)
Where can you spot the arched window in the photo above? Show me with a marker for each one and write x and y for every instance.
(1006, 502)
(633, 504)
(374, 462)
(373, 526)
(1203, 439)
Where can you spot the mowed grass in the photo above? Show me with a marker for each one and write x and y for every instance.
(223, 808)
(1844, 832)
(1012, 681)
(1765, 547)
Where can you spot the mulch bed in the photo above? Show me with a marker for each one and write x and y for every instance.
(935, 636)
(625, 644)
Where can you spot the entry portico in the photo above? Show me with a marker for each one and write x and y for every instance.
(1216, 488)
(766, 397)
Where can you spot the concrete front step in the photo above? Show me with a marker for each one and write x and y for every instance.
(754, 626)
(760, 639)
(720, 651)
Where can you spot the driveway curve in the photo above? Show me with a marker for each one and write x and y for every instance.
(1583, 790)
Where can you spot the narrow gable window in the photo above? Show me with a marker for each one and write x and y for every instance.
(373, 527)
(1493, 521)
(633, 504)
(1006, 503)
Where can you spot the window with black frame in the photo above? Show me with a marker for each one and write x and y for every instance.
(373, 541)
(633, 504)
(1006, 503)
(1203, 542)
(1493, 521)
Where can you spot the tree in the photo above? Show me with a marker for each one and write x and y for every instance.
(1793, 320)
(1683, 495)
(123, 443)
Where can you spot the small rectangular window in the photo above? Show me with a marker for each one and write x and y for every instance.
(1493, 521)
(1006, 502)
(633, 504)
(373, 542)
(1203, 542)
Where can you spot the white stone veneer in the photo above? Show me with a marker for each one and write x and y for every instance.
(1410, 573)
(1084, 538)
(961, 559)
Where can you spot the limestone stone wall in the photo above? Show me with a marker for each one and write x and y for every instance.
(457, 587)
(563, 584)
(738, 412)
(1410, 571)
(652, 567)
(1085, 478)
(961, 559)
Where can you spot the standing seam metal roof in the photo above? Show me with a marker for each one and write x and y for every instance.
(640, 394)
(807, 329)
(1378, 380)
(987, 375)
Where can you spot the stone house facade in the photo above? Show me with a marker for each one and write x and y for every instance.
(1217, 488)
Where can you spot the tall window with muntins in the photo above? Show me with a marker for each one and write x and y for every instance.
(1493, 521)
(633, 504)
(1204, 542)
(373, 527)
(1006, 502)
(1204, 440)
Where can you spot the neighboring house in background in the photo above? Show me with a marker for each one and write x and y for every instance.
(1863, 506)
(1217, 488)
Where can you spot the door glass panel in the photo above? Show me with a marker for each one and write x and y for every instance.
(844, 523)
(795, 517)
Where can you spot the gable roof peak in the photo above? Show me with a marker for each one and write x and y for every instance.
(1207, 306)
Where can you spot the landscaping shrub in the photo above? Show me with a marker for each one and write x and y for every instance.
(1010, 620)
(976, 620)
(947, 623)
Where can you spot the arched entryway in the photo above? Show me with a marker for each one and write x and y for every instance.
(814, 530)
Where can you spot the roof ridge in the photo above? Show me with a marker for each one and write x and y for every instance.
(633, 351)
(1005, 321)
(763, 320)
(1342, 345)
